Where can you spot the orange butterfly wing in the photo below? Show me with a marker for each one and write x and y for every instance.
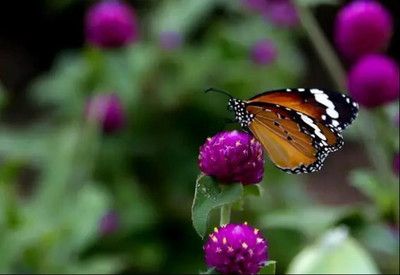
(334, 110)
(295, 142)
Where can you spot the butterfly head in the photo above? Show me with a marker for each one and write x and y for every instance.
(242, 116)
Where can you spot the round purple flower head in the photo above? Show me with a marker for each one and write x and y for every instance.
(374, 81)
(362, 27)
(232, 157)
(263, 52)
(106, 109)
(111, 24)
(170, 40)
(236, 249)
(109, 223)
(396, 164)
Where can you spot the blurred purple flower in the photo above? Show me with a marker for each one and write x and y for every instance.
(396, 164)
(374, 80)
(232, 157)
(106, 109)
(111, 24)
(362, 27)
(170, 40)
(109, 223)
(281, 13)
(263, 52)
(236, 249)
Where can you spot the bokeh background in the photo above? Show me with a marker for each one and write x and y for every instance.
(77, 197)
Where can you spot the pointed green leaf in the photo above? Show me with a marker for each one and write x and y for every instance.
(208, 196)
(253, 190)
(269, 268)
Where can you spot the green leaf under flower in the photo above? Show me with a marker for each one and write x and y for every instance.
(269, 268)
(208, 196)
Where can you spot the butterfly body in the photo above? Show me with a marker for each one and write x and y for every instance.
(299, 127)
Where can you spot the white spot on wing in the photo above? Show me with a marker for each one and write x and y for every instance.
(324, 100)
(332, 113)
(311, 123)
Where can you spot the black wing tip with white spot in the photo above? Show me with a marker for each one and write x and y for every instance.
(341, 109)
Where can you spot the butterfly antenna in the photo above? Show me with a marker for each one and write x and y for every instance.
(218, 91)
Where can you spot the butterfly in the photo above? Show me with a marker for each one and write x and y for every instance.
(298, 127)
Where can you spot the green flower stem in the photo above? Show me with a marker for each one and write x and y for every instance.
(322, 46)
(225, 214)
(368, 131)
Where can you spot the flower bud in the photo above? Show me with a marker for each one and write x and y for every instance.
(263, 52)
(107, 111)
(109, 223)
(111, 24)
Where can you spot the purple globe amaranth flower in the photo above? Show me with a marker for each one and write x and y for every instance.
(396, 164)
(109, 223)
(236, 249)
(107, 110)
(374, 80)
(170, 40)
(111, 24)
(362, 27)
(232, 157)
(263, 52)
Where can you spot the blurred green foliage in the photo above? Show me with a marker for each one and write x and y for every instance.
(59, 175)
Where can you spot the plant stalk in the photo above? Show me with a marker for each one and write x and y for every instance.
(368, 131)
(322, 46)
(225, 214)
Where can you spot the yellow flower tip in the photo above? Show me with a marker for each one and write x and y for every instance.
(215, 230)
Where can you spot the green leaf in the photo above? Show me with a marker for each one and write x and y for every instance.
(208, 196)
(368, 184)
(253, 190)
(335, 253)
(269, 268)
(310, 220)
(181, 15)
